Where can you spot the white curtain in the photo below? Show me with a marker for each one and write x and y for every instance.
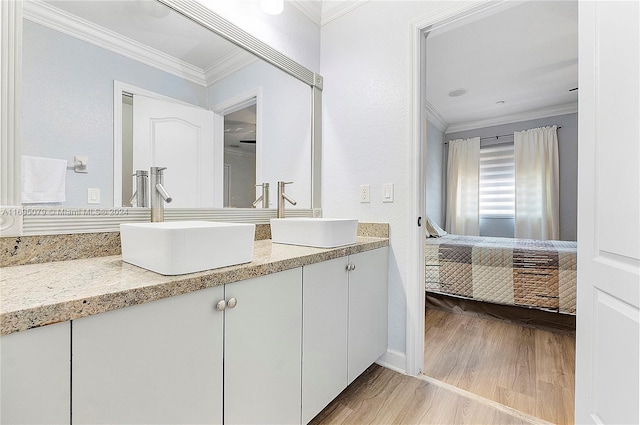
(463, 177)
(537, 184)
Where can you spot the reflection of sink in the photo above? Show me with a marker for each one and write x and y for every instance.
(318, 232)
(179, 247)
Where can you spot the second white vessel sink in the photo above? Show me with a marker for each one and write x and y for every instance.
(316, 232)
(179, 247)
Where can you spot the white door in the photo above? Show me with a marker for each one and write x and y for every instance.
(609, 214)
(178, 137)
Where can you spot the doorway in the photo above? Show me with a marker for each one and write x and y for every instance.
(240, 138)
(464, 350)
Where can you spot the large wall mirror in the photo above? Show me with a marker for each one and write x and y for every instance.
(113, 87)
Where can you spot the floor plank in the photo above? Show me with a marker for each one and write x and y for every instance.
(382, 396)
(525, 368)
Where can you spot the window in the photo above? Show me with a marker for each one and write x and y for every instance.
(497, 181)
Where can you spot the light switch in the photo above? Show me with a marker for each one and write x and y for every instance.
(387, 192)
(93, 196)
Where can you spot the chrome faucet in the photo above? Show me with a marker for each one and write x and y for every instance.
(264, 197)
(141, 196)
(282, 197)
(159, 194)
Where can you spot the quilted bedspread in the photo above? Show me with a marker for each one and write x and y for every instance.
(522, 272)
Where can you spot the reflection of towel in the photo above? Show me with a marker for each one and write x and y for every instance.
(43, 180)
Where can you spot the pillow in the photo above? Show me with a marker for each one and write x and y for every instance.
(433, 230)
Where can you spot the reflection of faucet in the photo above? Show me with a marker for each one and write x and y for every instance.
(159, 194)
(281, 198)
(264, 197)
(141, 194)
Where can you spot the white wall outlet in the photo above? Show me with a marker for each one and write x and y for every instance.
(364, 193)
(387, 192)
(93, 196)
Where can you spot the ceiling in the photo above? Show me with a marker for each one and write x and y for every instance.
(524, 54)
(197, 53)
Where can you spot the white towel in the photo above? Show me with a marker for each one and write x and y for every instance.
(43, 180)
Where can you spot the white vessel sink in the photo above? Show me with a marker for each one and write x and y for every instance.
(179, 247)
(317, 232)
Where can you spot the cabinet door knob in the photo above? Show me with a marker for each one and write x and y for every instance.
(351, 267)
(232, 302)
(222, 304)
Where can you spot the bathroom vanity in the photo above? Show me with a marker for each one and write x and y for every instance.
(272, 341)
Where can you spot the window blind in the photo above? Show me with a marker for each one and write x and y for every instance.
(497, 181)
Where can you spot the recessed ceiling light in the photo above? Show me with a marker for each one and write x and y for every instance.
(457, 92)
(500, 102)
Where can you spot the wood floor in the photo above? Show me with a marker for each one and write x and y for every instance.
(529, 369)
(478, 371)
(381, 396)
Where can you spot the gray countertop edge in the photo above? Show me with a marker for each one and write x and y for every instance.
(41, 294)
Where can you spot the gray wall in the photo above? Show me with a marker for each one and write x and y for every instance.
(568, 156)
(434, 174)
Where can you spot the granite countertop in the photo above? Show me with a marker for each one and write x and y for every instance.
(41, 294)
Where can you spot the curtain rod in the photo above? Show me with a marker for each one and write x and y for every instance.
(495, 137)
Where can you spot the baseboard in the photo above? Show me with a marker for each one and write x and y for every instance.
(393, 360)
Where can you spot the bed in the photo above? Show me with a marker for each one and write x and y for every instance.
(520, 272)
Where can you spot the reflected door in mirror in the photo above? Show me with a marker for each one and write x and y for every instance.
(178, 137)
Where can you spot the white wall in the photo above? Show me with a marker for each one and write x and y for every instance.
(367, 133)
(283, 126)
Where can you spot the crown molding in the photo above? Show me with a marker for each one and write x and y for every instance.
(228, 65)
(552, 111)
(59, 20)
(312, 9)
(334, 9)
(435, 118)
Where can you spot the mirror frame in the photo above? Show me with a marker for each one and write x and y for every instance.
(16, 220)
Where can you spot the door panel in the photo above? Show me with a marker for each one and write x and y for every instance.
(368, 309)
(325, 292)
(607, 356)
(153, 363)
(262, 350)
(178, 137)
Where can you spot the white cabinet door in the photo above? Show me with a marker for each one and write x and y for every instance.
(159, 362)
(368, 314)
(325, 295)
(263, 337)
(35, 376)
